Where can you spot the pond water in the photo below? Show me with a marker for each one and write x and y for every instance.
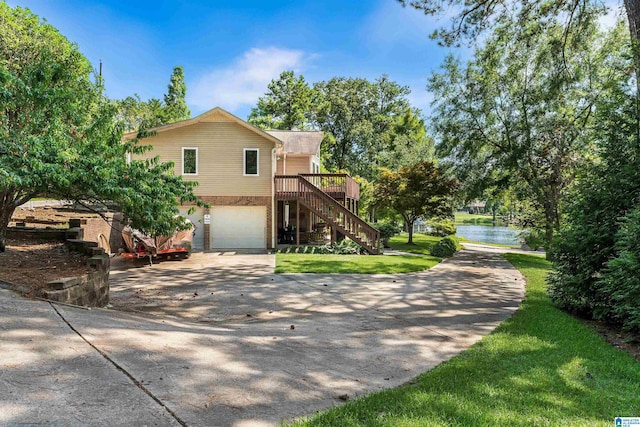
(489, 234)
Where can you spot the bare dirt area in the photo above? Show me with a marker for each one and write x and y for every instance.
(625, 341)
(42, 217)
(33, 263)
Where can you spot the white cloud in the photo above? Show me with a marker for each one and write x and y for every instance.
(243, 81)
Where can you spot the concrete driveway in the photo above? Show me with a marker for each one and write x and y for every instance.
(221, 341)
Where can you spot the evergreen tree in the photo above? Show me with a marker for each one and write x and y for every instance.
(175, 105)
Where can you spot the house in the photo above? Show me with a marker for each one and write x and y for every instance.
(477, 207)
(264, 187)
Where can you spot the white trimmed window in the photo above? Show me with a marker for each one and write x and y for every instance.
(189, 160)
(251, 161)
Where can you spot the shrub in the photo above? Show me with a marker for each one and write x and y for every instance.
(532, 238)
(387, 231)
(441, 227)
(344, 247)
(591, 239)
(619, 285)
(446, 247)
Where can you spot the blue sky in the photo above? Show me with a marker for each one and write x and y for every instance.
(231, 50)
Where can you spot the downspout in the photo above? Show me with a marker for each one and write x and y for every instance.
(273, 198)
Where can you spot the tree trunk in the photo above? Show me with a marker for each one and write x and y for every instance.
(6, 212)
(551, 219)
(410, 231)
(632, 7)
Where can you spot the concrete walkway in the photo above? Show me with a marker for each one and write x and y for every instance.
(352, 334)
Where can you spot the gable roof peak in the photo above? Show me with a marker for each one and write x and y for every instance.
(216, 114)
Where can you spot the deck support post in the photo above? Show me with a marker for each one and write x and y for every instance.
(298, 223)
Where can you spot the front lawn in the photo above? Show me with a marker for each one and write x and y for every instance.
(421, 243)
(541, 367)
(368, 264)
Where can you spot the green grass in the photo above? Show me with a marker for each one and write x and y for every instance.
(498, 245)
(316, 263)
(541, 367)
(421, 243)
(462, 218)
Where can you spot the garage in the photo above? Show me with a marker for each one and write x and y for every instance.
(238, 227)
(197, 219)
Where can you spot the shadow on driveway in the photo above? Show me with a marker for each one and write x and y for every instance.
(225, 342)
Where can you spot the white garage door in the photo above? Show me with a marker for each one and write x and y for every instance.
(196, 218)
(238, 227)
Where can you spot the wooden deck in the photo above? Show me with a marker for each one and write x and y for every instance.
(340, 186)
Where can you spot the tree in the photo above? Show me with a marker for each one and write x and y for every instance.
(475, 16)
(409, 142)
(417, 191)
(360, 119)
(154, 114)
(359, 116)
(519, 113)
(286, 105)
(175, 106)
(136, 114)
(59, 136)
(619, 285)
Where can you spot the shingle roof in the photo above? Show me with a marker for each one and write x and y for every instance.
(297, 141)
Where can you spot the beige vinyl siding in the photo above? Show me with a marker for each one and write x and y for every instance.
(220, 157)
(294, 165)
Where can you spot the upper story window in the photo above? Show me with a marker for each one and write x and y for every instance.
(315, 167)
(189, 161)
(251, 165)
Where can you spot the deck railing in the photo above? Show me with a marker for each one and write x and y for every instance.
(286, 187)
(335, 183)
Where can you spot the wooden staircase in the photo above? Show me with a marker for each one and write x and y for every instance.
(333, 213)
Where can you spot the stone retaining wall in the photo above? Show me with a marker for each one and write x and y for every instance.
(91, 290)
(53, 234)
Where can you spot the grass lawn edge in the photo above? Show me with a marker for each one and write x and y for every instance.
(353, 264)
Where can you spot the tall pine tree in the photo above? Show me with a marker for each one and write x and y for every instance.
(175, 106)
